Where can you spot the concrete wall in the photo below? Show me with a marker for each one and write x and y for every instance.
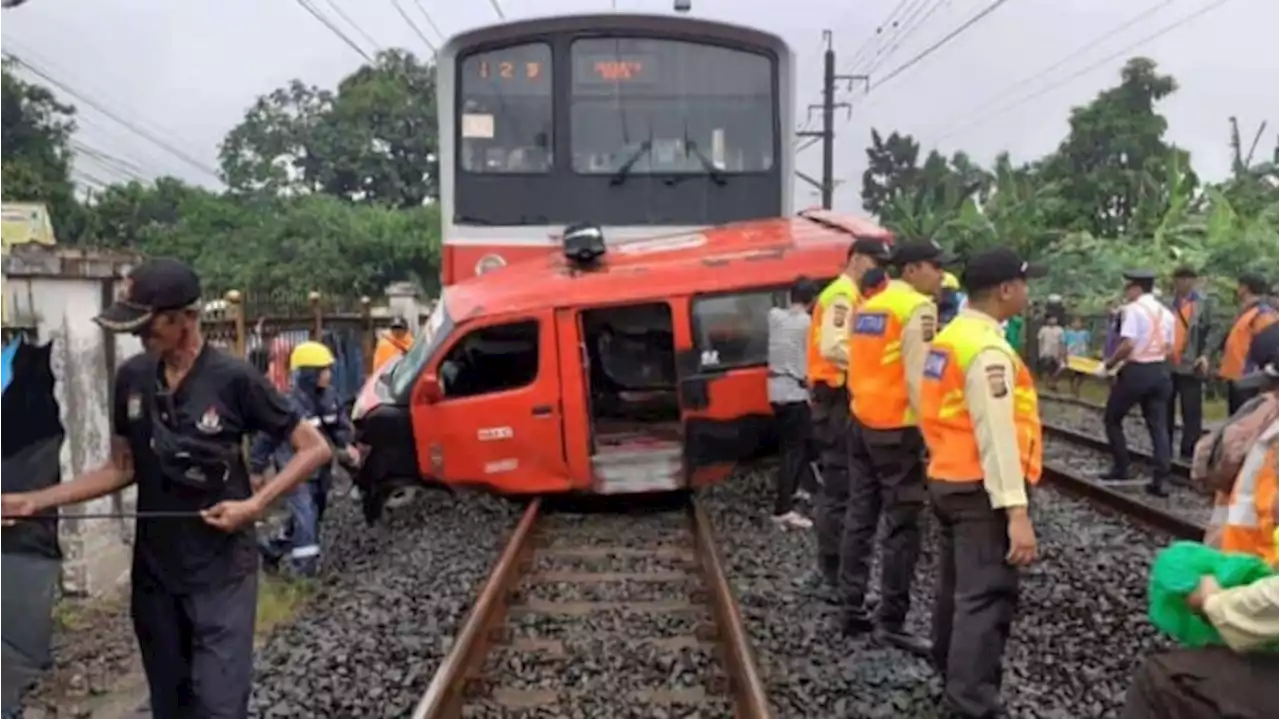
(57, 291)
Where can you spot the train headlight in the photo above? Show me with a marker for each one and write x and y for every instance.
(489, 263)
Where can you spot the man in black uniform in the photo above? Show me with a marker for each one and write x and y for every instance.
(181, 412)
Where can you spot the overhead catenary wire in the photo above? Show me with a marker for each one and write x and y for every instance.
(1089, 68)
(1074, 54)
(107, 112)
(910, 27)
(430, 20)
(414, 26)
(497, 7)
(337, 8)
(925, 53)
(319, 16)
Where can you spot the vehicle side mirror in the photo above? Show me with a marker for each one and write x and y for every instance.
(431, 392)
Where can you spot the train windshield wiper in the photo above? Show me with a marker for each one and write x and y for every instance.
(624, 172)
(713, 172)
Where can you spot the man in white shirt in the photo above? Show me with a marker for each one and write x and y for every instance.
(1141, 359)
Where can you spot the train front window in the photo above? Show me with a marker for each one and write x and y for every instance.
(647, 106)
(505, 110)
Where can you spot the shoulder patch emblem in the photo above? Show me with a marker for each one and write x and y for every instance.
(133, 406)
(928, 326)
(869, 323)
(997, 380)
(935, 364)
(839, 313)
(210, 422)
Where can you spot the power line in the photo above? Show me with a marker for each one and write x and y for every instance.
(430, 21)
(150, 137)
(315, 13)
(413, 26)
(935, 46)
(1089, 68)
(109, 160)
(914, 23)
(1074, 54)
(498, 9)
(367, 37)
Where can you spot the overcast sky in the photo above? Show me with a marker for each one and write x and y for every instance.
(186, 70)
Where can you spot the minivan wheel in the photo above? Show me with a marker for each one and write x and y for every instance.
(402, 496)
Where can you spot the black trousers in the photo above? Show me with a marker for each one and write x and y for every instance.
(1236, 398)
(886, 480)
(1209, 683)
(1188, 391)
(1149, 386)
(795, 429)
(976, 598)
(197, 648)
(831, 437)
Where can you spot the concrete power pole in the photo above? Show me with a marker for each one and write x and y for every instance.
(828, 133)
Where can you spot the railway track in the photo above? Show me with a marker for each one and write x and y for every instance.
(602, 615)
(1180, 467)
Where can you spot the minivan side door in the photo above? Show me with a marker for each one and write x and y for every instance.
(498, 420)
(723, 390)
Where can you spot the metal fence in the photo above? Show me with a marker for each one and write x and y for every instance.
(265, 327)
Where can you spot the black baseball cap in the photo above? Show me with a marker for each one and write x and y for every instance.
(1140, 276)
(399, 323)
(921, 251)
(995, 266)
(153, 286)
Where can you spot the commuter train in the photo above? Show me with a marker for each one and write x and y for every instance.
(640, 124)
(616, 204)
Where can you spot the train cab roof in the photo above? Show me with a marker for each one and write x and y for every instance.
(746, 254)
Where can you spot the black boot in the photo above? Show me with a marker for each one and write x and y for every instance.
(855, 621)
(904, 640)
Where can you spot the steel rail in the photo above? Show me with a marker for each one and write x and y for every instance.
(1176, 464)
(750, 699)
(1166, 522)
(446, 693)
(1086, 404)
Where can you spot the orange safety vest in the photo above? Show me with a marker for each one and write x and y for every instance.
(1247, 326)
(944, 415)
(388, 347)
(877, 379)
(1244, 515)
(1185, 312)
(822, 369)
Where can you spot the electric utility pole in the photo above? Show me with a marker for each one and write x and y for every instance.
(828, 134)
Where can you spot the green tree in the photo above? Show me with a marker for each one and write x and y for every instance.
(36, 149)
(372, 141)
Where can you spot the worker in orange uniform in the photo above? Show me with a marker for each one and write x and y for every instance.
(887, 346)
(828, 363)
(1254, 317)
(395, 343)
(981, 422)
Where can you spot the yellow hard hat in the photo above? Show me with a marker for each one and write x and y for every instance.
(950, 282)
(310, 355)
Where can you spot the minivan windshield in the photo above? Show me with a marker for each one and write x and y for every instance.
(402, 374)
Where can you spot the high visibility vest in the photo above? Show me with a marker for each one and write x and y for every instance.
(388, 348)
(1244, 515)
(1185, 312)
(820, 368)
(877, 379)
(1246, 327)
(944, 414)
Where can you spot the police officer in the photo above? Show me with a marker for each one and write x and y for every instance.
(828, 365)
(179, 418)
(981, 423)
(888, 342)
(1140, 362)
(314, 400)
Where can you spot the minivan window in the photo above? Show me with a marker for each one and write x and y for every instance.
(491, 359)
(732, 330)
(402, 374)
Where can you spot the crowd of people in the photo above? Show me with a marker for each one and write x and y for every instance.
(898, 385)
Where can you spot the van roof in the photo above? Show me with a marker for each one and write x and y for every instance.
(754, 253)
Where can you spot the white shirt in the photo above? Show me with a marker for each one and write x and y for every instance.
(1142, 320)
(788, 355)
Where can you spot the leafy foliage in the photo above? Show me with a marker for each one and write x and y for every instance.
(327, 191)
(1114, 195)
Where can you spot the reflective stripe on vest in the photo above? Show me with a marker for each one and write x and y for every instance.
(1247, 524)
(948, 429)
(820, 368)
(1246, 327)
(877, 379)
(1154, 348)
